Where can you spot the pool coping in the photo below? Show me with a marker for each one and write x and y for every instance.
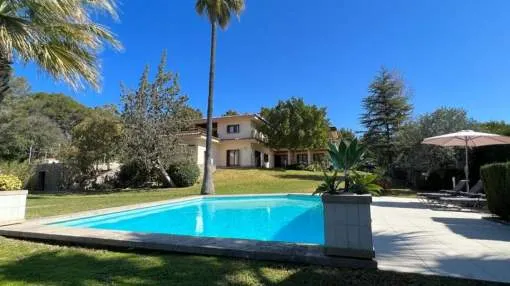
(38, 229)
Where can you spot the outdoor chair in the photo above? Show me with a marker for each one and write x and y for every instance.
(476, 202)
(474, 197)
(433, 196)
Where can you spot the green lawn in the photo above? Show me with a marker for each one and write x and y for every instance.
(245, 181)
(30, 263)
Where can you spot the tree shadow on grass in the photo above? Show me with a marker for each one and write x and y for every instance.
(307, 177)
(77, 266)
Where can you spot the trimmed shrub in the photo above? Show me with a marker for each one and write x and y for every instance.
(133, 174)
(299, 167)
(184, 174)
(496, 182)
(9, 183)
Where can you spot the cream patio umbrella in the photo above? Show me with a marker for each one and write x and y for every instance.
(467, 139)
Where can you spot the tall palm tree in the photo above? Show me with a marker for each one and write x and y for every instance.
(59, 36)
(219, 13)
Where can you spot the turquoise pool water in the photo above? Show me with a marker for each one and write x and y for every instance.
(286, 218)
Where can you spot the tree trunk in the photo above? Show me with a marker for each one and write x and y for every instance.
(389, 155)
(5, 75)
(207, 183)
(164, 174)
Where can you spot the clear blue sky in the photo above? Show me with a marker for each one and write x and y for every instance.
(451, 53)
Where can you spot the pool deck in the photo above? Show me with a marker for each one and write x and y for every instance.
(39, 229)
(409, 236)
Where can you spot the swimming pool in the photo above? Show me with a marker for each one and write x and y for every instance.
(282, 218)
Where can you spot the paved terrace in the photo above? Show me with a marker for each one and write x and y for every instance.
(412, 237)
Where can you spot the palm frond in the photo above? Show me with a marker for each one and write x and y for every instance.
(220, 11)
(59, 35)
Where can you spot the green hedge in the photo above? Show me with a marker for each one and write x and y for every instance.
(184, 174)
(496, 182)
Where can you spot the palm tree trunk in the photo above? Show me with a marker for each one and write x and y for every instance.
(5, 75)
(207, 183)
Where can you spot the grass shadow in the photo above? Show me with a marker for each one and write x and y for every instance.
(76, 266)
(307, 177)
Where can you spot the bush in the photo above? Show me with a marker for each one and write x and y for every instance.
(184, 174)
(22, 170)
(299, 167)
(9, 183)
(133, 174)
(496, 182)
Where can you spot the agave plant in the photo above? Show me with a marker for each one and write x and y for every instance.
(346, 156)
(330, 184)
(365, 183)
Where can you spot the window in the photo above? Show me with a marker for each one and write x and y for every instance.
(302, 158)
(233, 158)
(234, 128)
(266, 158)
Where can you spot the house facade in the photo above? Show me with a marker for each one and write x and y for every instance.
(237, 142)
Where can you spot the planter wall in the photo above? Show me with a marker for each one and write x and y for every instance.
(348, 226)
(12, 206)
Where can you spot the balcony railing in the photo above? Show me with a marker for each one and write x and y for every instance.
(198, 131)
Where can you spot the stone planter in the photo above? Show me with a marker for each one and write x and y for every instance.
(348, 226)
(12, 206)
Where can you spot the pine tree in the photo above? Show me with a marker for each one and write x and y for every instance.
(386, 108)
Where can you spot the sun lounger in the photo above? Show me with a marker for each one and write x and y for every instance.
(443, 193)
(464, 201)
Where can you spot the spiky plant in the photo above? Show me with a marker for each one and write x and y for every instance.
(219, 12)
(59, 36)
(348, 155)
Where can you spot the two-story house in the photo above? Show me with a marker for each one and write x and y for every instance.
(237, 142)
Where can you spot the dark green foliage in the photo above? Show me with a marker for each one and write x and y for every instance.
(231, 112)
(184, 174)
(365, 183)
(292, 124)
(133, 174)
(496, 127)
(43, 121)
(416, 158)
(154, 115)
(496, 183)
(386, 108)
(330, 184)
(489, 154)
(298, 167)
(20, 133)
(96, 139)
(60, 108)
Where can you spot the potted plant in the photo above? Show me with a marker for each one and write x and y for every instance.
(12, 200)
(346, 200)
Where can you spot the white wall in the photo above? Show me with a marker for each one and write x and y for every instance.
(199, 145)
(245, 152)
(245, 128)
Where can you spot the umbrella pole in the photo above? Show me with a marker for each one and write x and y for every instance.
(466, 168)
